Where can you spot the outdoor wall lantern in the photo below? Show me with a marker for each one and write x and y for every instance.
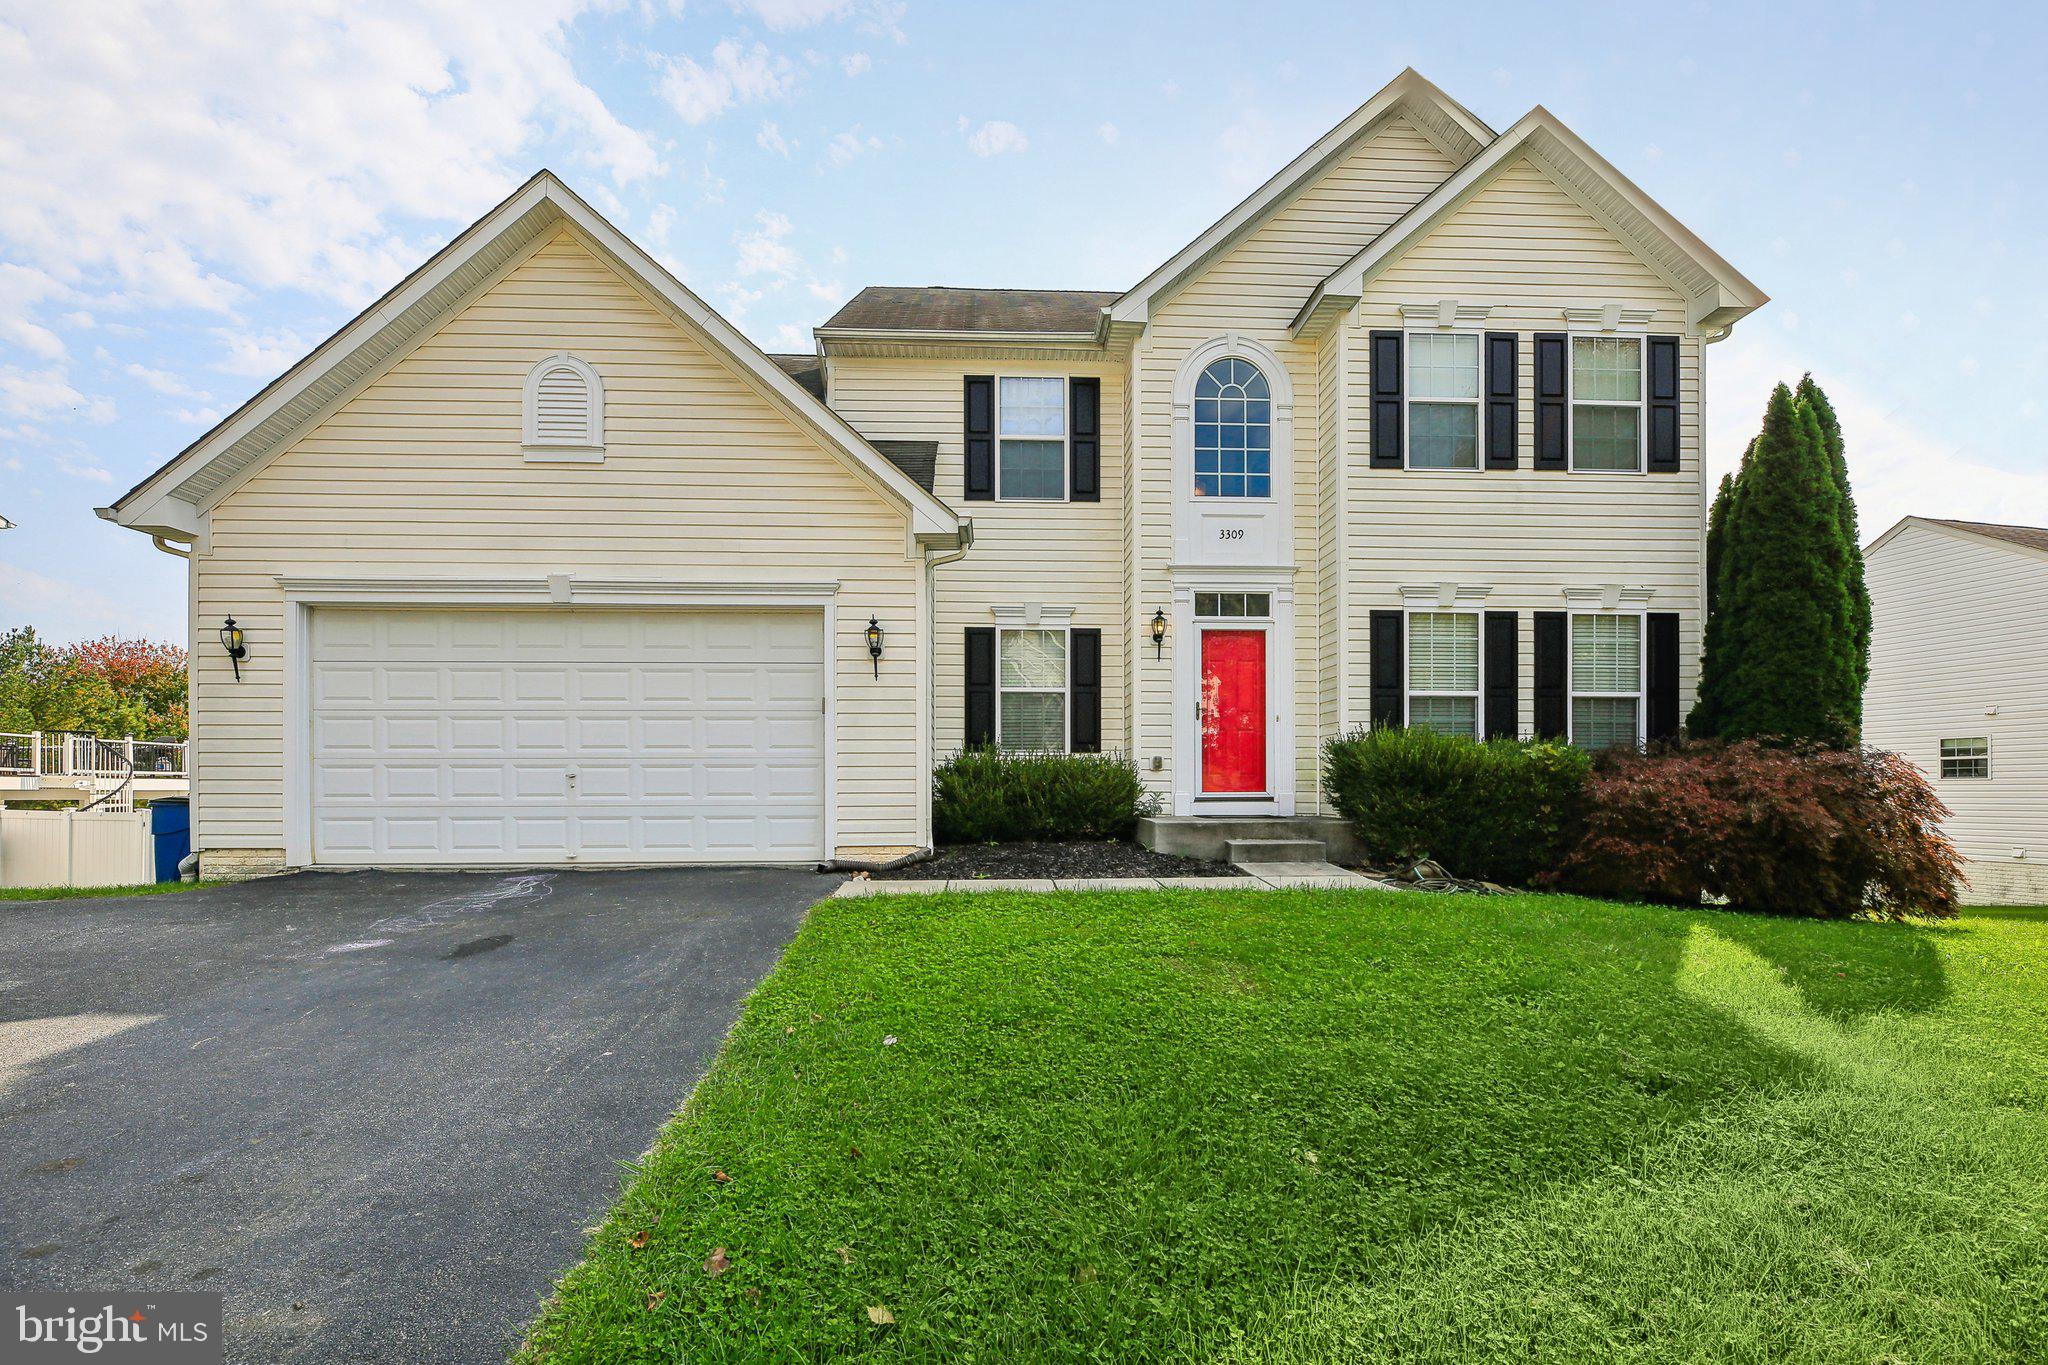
(231, 640)
(874, 634)
(1159, 634)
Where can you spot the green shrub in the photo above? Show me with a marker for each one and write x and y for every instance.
(982, 796)
(1503, 810)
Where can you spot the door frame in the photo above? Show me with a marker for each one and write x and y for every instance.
(302, 595)
(1279, 798)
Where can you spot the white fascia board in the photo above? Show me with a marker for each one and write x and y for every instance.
(172, 518)
(1136, 306)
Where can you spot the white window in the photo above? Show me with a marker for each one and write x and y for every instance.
(1607, 403)
(1031, 690)
(1966, 758)
(564, 411)
(1031, 437)
(1233, 431)
(1443, 400)
(1443, 672)
(1607, 680)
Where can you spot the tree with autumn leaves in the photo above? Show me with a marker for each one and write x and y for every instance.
(1788, 616)
(108, 687)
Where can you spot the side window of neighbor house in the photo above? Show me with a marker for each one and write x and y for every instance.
(1233, 432)
(1965, 758)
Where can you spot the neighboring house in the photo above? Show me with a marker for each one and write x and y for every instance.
(1959, 685)
(539, 560)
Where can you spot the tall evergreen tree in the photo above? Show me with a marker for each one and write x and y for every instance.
(1705, 717)
(1788, 666)
(1810, 394)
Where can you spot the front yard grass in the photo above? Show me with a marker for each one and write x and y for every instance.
(70, 893)
(1294, 1126)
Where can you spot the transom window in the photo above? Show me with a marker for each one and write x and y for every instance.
(1607, 403)
(1443, 672)
(1233, 604)
(1607, 681)
(1233, 432)
(1966, 758)
(1031, 437)
(1031, 690)
(1443, 400)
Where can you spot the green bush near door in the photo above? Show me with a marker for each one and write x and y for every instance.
(1503, 810)
(998, 796)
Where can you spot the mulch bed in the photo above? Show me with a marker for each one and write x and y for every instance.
(965, 861)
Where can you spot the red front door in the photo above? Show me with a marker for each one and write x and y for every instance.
(1233, 711)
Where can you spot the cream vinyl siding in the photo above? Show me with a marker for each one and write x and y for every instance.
(1055, 554)
(1526, 249)
(1255, 288)
(1330, 532)
(1957, 630)
(419, 475)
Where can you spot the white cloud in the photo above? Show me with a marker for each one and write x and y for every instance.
(163, 381)
(1251, 148)
(782, 16)
(827, 291)
(78, 469)
(1898, 466)
(856, 63)
(35, 597)
(849, 145)
(791, 338)
(203, 418)
(183, 156)
(259, 355)
(770, 139)
(736, 75)
(1108, 132)
(766, 250)
(39, 395)
(994, 138)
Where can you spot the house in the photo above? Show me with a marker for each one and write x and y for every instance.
(1959, 685)
(539, 560)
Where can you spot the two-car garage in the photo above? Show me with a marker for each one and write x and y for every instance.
(471, 737)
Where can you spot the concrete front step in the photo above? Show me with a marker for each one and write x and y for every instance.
(1243, 851)
(1209, 836)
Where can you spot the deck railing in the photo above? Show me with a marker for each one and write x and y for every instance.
(58, 754)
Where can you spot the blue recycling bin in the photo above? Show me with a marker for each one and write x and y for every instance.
(170, 825)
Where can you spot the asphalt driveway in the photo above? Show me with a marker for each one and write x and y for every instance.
(375, 1110)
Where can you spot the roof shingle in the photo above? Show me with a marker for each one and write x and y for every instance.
(939, 308)
(2033, 537)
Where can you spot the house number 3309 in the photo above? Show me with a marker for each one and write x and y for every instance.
(1231, 533)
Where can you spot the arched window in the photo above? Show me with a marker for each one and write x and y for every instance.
(1233, 432)
(564, 410)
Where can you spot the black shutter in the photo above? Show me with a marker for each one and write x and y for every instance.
(1552, 642)
(1553, 357)
(981, 686)
(1389, 698)
(1502, 384)
(1084, 445)
(1084, 690)
(1663, 376)
(1386, 400)
(1503, 684)
(1662, 715)
(980, 437)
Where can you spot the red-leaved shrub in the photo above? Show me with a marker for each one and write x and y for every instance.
(1827, 833)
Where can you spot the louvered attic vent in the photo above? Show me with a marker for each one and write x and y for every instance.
(564, 411)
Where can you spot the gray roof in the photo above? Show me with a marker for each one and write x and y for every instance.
(2033, 537)
(939, 308)
(918, 459)
(806, 370)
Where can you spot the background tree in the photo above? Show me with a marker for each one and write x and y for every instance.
(108, 687)
(1782, 660)
(1810, 394)
(1705, 717)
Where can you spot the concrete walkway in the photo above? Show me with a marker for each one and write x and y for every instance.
(1258, 877)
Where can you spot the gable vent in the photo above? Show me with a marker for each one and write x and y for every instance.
(564, 411)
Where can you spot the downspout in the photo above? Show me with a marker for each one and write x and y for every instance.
(929, 701)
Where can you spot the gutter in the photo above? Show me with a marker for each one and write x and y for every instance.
(928, 719)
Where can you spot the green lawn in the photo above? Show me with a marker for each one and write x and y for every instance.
(1267, 1126)
(71, 893)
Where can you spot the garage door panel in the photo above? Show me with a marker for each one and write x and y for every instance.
(449, 736)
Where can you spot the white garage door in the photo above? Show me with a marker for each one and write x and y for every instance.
(525, 737)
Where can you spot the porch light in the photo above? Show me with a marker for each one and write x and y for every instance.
(874, 634)
(1159, 634)
(232, 641)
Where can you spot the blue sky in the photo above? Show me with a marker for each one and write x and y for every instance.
(192, 196)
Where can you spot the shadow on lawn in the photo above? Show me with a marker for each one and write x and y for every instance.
(1848, 971)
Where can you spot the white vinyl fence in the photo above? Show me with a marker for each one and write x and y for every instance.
(66, 848)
